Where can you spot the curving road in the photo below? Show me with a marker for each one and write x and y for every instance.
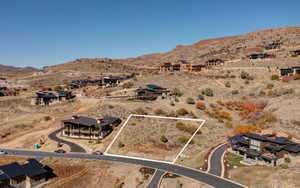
(216, 161)
(73, 147)
(156, 178)
(204, 177)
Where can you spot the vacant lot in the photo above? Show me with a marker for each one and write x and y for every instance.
(154, 138)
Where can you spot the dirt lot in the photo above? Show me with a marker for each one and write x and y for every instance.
(92, 173)
(155, 138)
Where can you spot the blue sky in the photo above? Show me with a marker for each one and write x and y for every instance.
(46, 32)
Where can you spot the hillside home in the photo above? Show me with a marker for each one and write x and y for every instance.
(295, 53)
(194, 67)
(89, 128)
(266, 149)
(64, 95)
(45, 99)
(30, 174)
(150, 92)
(272, 46)
(289, 71)
(258, 56)
(4, 91)
(214, 62)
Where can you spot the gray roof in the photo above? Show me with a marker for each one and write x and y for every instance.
(86, 121)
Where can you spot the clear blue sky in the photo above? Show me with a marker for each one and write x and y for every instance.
(46, 32)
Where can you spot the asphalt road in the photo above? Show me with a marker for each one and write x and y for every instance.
(155, 180)
(216, 161)
(73, 147)
(172, 168)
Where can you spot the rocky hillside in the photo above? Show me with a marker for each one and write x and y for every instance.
(7, 71)
(233, 48)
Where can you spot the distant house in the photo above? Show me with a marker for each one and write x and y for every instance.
(214, 62)
(30, 174)
(4, 91)
(47, 98)
(89, 128)
(264, 149)
(289, 71)
(44, 99)
(194, 67)
(295, 53)
(150, 92)
(258, 56)
(273, 45)
(64, 95)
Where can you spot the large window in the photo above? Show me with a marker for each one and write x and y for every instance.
(255, 144)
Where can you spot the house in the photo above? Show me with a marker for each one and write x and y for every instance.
(165, 67)
(214, 62)
(64, 95)
(264, 149)
(89, 128)
(273, 45)
(295, 53)
(289, 71)
(194, 67)
(258, 56)
(150, 92)
(4, 91)
(42, 98)
(29, 174)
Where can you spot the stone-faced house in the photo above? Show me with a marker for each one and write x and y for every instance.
(264, 149)
(30, 174)
(295, 53)
(89, 128)
(214, 62)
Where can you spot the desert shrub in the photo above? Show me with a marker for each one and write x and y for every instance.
(121, 144)
(288, 91)
(47, 118)
(245, 75)
(284, 166)
(247, 82)
(186, 128)
(172, 103)
(181, 112)
(262, 93)
(224, 115)
(163, 139)
(110, 106)
(159, 111)
(227, 84)
(274, 77)
(140, 111)
(190, 100)
(287, 160)
(235, 92)
(228, 124)
(208, 92)
(177, 92)
(127, 85)
(176, 99)
(200, 106)
(201, 97)
(296, 77)
(270, 86)
(180, 126)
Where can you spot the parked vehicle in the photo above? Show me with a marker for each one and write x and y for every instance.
(3, 152)
(98, 153)
(60, 151)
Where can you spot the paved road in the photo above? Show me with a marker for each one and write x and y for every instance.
(216, 162)
(172, 168)
(73, 147)
(155, 180)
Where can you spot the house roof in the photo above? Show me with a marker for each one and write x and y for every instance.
(31, 168)
(295, 148)
(152, 86)
(86, 121)
(64, 93)
(12, 170)
(46, 95)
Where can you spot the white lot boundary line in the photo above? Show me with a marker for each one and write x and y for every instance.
(111, 143)
(138, 158)
(153, 116)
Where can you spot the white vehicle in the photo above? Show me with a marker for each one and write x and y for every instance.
(3, 152)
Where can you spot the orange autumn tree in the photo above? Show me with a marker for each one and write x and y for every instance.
(244, 129)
